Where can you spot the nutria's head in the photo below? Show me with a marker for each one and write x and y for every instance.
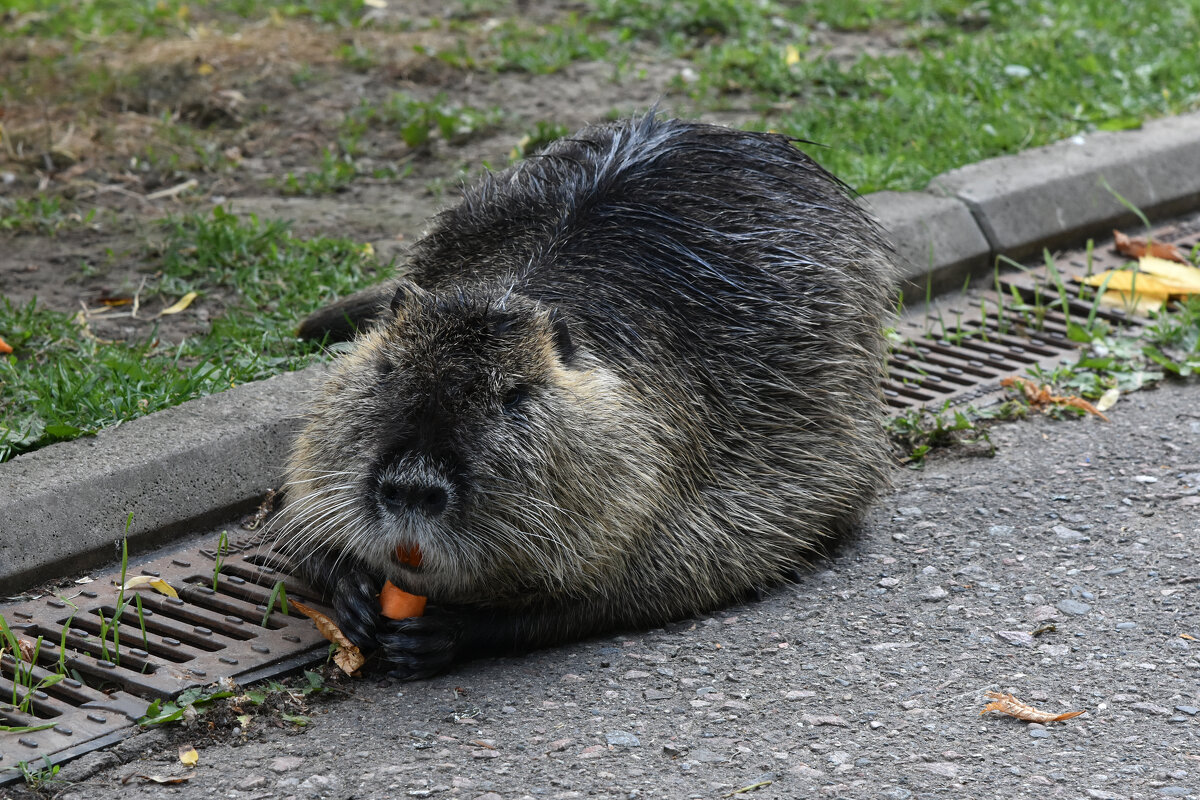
(477, 428)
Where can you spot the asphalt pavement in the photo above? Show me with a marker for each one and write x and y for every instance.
(866, 679)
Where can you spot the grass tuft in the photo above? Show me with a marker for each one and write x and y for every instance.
(62, 382)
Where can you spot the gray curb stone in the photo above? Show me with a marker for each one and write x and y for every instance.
(937, 239)
(1053, 196)
(177, 470)
(209, 460)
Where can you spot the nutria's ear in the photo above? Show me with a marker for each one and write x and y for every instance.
(406, 290)
(562, 336)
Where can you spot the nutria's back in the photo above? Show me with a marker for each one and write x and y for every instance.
(636, 377)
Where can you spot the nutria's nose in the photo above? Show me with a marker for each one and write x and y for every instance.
(406, 498)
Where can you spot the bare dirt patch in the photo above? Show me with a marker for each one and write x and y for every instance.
(261, 118)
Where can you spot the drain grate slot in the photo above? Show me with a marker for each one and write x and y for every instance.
(190, 641)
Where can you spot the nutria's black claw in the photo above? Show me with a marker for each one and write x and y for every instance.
(356, 606)
(420, 647)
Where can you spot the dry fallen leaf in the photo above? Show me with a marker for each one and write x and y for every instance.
(348, 657)
(1181, 279)
(158, 584)
(1040, 398)
(1007, 704)
(1108, 399)
(180, 304)
(5, 348)
(165, 778)
(28, 647)
(1155, 281)
(188, 756)
(1135, 247)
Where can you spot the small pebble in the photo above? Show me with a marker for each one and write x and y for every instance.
(1191, 711)
(1073, 607)
(1065, 534)
(1016, 638)
(622, 739)
(1126, 626)
(934, 594)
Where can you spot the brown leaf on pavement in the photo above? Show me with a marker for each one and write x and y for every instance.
(1040, 398)
(1007, 704)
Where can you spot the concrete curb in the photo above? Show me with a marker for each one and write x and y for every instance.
(185, 468)
(1048, 197)
(206, 461)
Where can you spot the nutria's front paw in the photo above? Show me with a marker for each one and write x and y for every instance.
(420, 647)
(356, 607)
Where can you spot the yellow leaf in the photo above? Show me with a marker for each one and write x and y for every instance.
(205, 69)
(188, 755)
(1108, 399)
(1141, 304)
(791, 55)
(157, 584)
(368, 249)
(183, 303)
(276, 17)
(1134, 291)
(1179, 278)
(1129, 283)
(375, 3)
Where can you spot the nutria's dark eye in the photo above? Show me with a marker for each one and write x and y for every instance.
(514, 397)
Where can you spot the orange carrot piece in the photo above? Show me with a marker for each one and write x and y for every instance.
(399, 604)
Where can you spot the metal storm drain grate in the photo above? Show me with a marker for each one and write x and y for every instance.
(189, 641)
(958, 350)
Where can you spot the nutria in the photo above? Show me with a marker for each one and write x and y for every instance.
(626, 381)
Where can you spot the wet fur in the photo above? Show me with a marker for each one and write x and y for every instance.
(690, 319)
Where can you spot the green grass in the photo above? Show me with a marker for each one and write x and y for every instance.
(971, 80)
(61, 382)
(94, 19)
(960, 80)
(417, 122)
(42, 214)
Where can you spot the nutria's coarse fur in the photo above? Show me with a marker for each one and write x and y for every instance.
(629, 380)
